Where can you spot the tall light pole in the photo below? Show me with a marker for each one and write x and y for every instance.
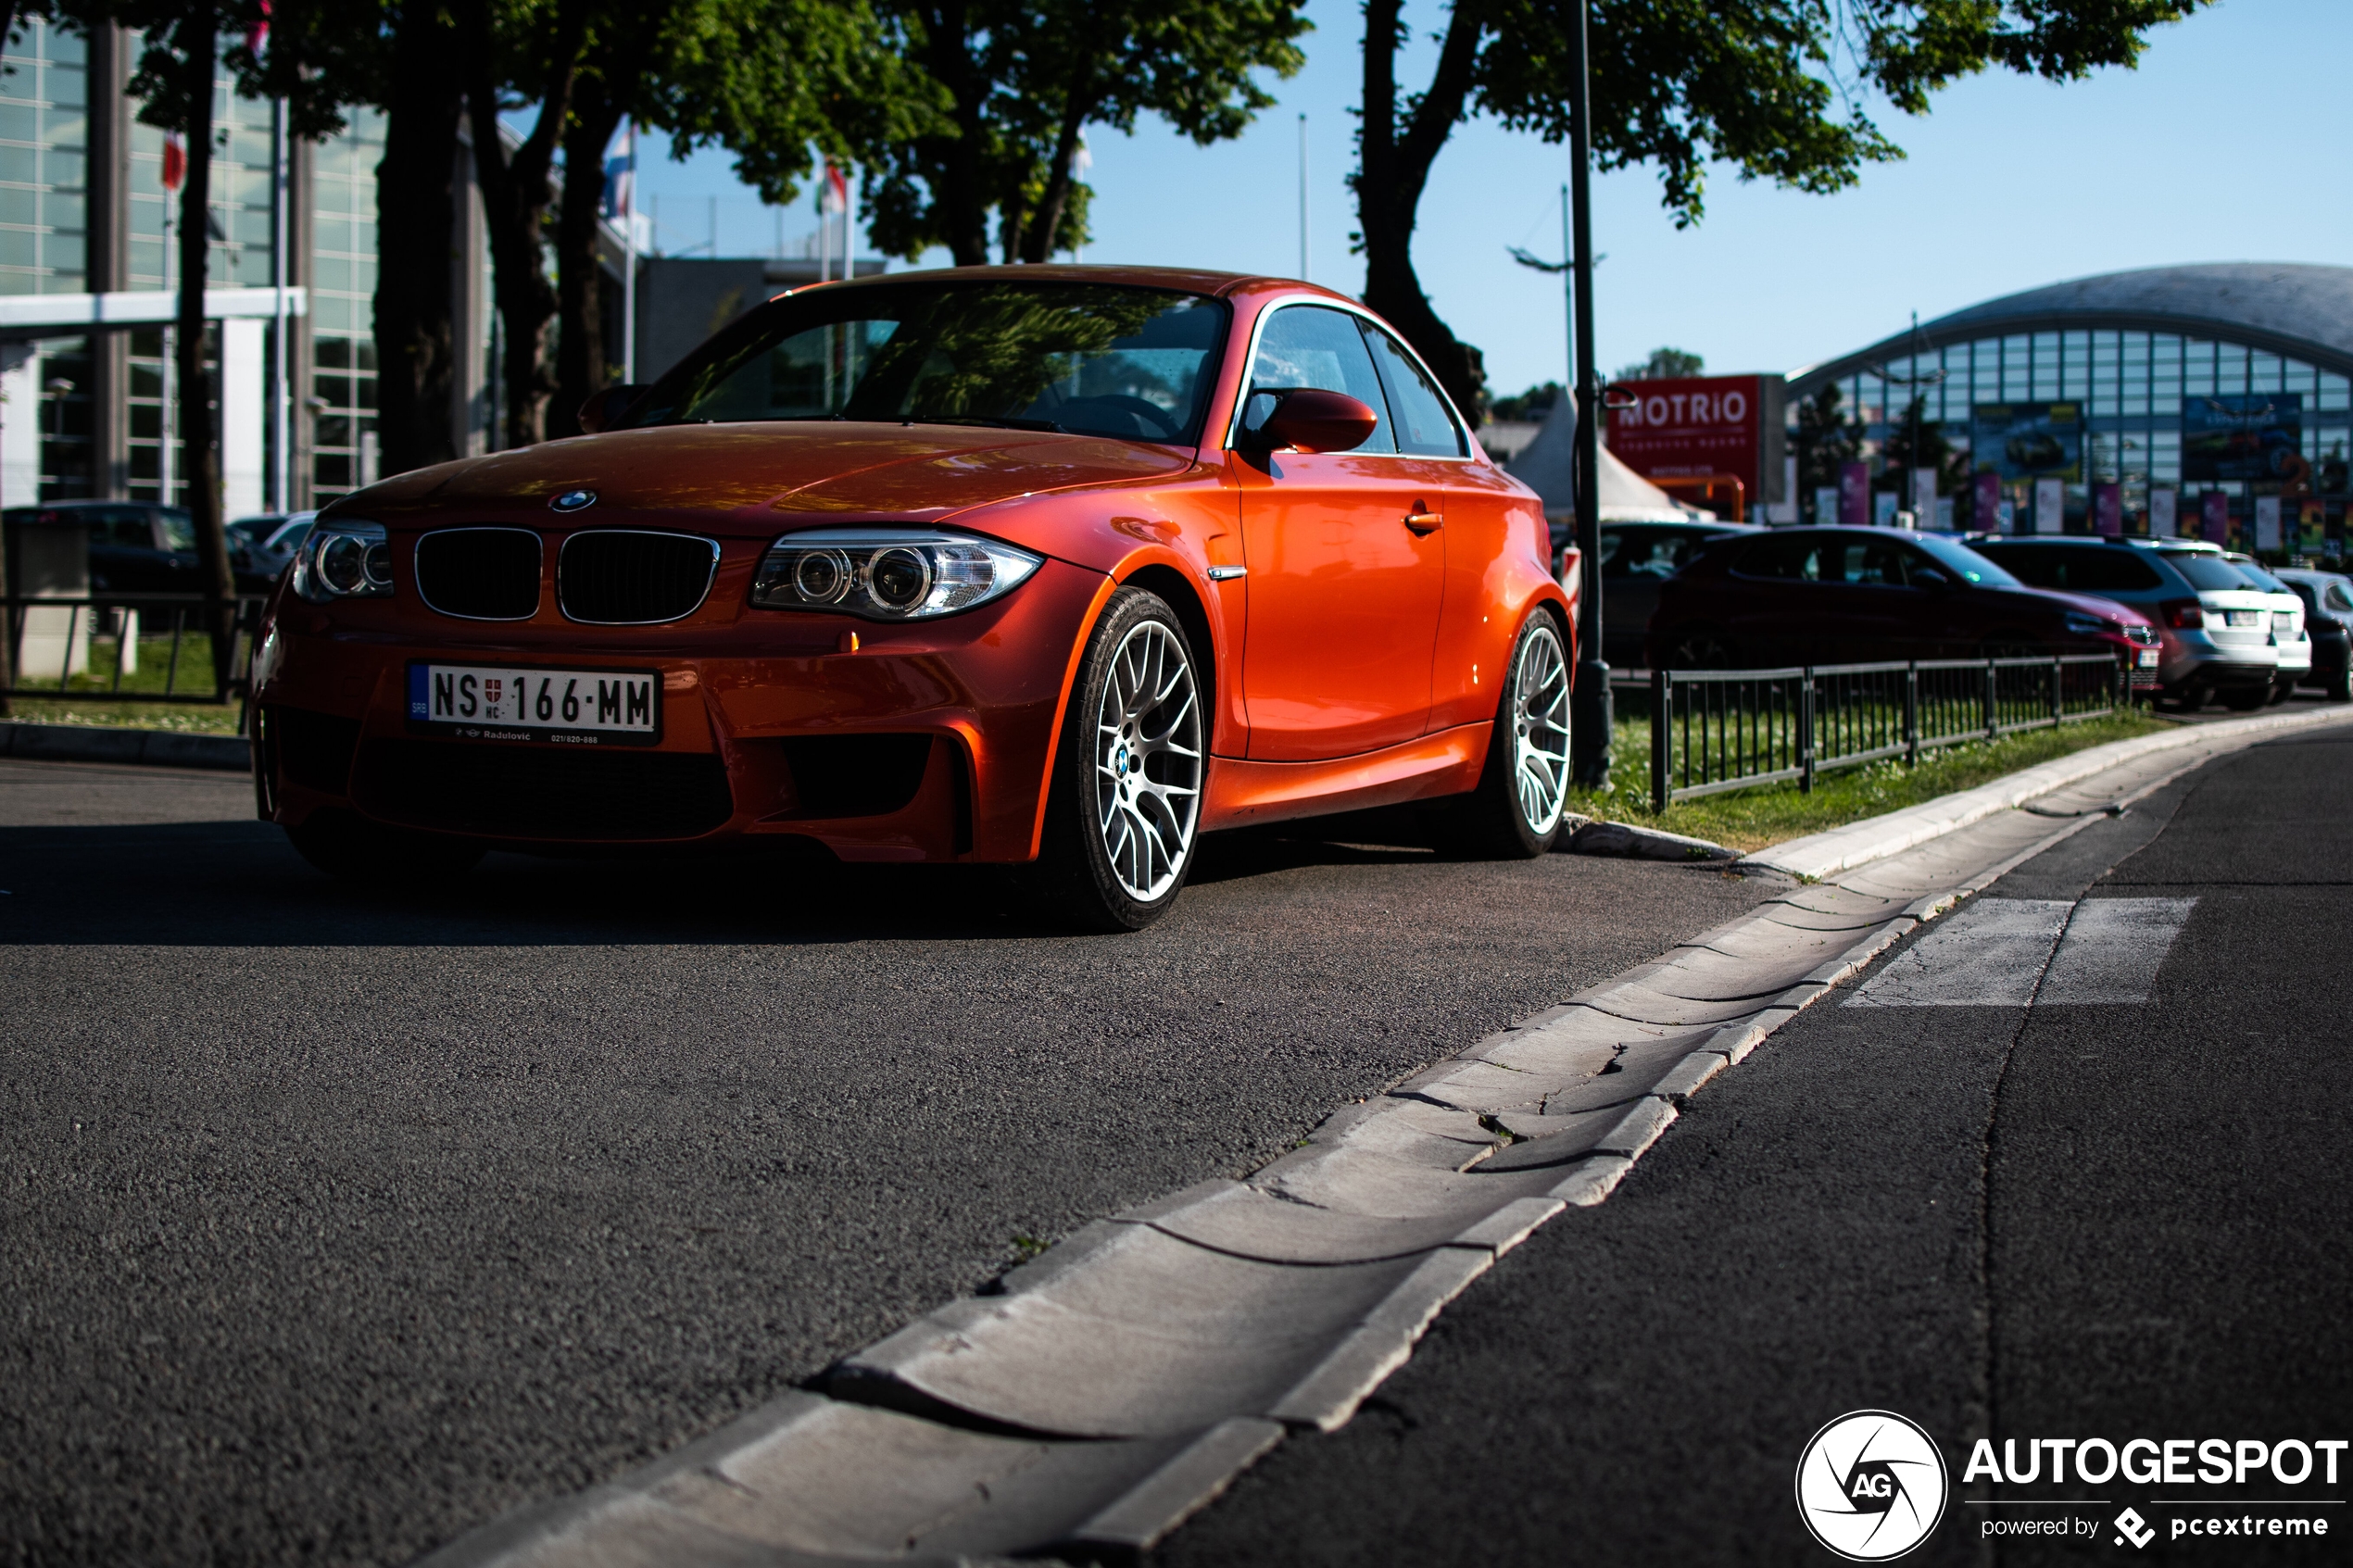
(1303, 200)
(1589, 713)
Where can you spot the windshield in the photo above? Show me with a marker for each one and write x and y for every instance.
(2264, 582)
(1959, 558)
(1087, 359)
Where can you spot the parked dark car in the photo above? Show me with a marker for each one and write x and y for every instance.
(2328, 617)
(1636, 559)
(1848, 595)
(2217, 629)
(135, 547)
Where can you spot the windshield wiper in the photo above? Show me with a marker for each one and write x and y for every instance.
(1047, 425)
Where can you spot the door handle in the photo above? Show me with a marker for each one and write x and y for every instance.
(1423, 522)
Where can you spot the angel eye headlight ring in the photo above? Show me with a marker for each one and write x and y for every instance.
(888, 574)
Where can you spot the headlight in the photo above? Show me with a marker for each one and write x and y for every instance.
(888, 573)
(2089, 625)
(344, 561)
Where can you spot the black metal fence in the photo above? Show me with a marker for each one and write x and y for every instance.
(126, 648)
(1716, 730)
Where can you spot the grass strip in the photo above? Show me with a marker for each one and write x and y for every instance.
(182, 718)
(1751, 819)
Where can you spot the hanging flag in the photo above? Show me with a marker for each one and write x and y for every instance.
(257, 35)
(619, 178)
(833, 197)
(175, 161)
(1081, 160)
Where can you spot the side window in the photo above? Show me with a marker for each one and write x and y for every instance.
(1425, 426)
(179, 528)
(1310, 345)
(1792, 559)
(2095, 569)
(1617, 552)
(124, 526)
(1875, 563)
(2338, 597)
(2033, 565)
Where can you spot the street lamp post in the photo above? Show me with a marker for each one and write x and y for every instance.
(1590, 712)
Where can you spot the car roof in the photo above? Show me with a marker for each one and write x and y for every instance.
(1187, 279)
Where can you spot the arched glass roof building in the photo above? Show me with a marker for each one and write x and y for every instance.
(2214, 399)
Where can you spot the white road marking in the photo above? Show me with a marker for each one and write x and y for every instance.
(2112, 949)
(1990, 953)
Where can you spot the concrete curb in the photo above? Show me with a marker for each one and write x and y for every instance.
(1839, 849)
(151, 748)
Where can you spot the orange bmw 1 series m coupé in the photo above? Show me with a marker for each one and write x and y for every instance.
(1064, 565)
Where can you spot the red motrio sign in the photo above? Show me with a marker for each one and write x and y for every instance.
(1696, 426)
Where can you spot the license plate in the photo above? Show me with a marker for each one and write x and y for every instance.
(2149, 658)
(502, 702)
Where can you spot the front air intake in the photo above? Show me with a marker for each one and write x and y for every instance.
(625, 577)
(480, 573)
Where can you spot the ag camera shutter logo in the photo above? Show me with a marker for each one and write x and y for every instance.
(1871, 1486)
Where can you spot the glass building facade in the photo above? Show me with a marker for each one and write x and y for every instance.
(2132, 429)
(83, 210)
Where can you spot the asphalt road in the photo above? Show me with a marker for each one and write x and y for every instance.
(338, 1223)
(2122, 1220)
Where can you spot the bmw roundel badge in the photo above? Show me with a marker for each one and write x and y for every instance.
(574, 501)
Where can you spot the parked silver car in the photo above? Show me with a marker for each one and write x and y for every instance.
(262, 547)
(2214, 625)
(2288, 632)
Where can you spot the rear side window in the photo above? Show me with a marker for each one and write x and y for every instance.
(1310, 345)
(179, 528)
(2339, 598)
(2084, 568)
(2205, 574)
(1425, 427)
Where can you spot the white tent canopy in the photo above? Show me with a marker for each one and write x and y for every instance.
(1548, 466)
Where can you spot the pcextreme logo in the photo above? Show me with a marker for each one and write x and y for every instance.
(1871, 1486)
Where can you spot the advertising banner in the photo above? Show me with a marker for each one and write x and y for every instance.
(1924, 496)
(2161, 513)
(1693, 426)
(1855, 493)
(2214, 516)
(1985, 512)
(2028, 440)
(2258, 438)
(1883, 508)
(2267, 522)
(2050, 506)
(1826, 506)
(2311, 528)
(2108, 510)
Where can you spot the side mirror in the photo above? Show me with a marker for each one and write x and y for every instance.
(1932, 580)
(603, 407)
(1311, 420)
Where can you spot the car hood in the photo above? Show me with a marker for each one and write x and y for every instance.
(739, 477)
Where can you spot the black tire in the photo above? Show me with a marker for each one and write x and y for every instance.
(2281, 691)
(2338, 683)
(1123, 812)
(1516, 811)
(351, 848)
(2246, 699)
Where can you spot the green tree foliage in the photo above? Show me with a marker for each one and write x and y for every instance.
(1665, 364)
(1533, 403)
(1826, 440)
(1767, 87)
(769, 79)
(1023, 81)
(1917, 441)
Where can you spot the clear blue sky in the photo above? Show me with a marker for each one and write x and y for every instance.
(2226, 144)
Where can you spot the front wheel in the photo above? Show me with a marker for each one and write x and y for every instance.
(1125, 804)
(1516, 811)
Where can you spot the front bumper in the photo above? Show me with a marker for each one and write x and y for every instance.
(930, 742)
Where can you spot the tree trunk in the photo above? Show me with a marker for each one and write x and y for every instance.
(581, 364)
(415, 202)
(1392, 170)
(515, 197)
(953, 163)
(1037, 240)
(200, 457)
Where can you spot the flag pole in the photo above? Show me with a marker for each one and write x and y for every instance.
(1590, 718)
(629, 253)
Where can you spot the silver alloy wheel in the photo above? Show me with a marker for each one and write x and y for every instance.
(1148, 761)
(1539, 706)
